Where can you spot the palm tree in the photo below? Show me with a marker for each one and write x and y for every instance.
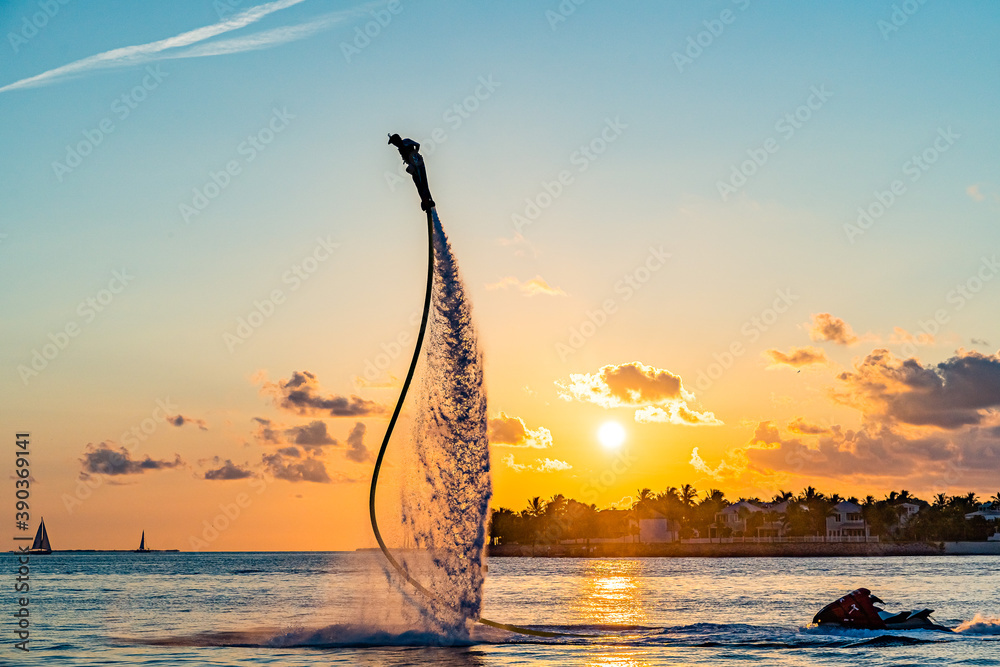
(534, 513)
(689, 494)
(536, 507)
(782, 496)
(643, 497)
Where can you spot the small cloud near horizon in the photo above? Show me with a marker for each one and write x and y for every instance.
(532, 287)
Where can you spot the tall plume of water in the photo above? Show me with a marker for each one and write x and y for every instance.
(447, 487)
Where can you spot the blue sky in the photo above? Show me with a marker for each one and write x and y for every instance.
(554, 85)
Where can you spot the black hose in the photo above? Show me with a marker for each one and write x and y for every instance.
(388, 433)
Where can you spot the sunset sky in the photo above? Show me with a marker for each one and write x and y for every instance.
(761, 237)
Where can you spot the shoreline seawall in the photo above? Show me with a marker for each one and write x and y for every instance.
(715, 550)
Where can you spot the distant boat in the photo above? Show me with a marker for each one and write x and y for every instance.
(41, 544)
(142, 545)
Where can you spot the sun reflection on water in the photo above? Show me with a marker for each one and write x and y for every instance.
(612, 594)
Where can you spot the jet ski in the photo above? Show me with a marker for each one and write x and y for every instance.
(409, 152)
(857, 610)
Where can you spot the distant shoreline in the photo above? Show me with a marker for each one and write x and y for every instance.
(744, 550)
(103, 551)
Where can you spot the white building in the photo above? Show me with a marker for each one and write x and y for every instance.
(654, 527)
(846, 521)
(734, 518)
(906, 512)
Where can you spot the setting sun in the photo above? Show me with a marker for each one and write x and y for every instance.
(611, 435)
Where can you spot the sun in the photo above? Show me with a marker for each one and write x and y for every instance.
(611, 435)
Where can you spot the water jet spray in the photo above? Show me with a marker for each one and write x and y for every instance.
(409, 152)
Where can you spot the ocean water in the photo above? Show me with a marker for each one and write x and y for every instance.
(344, 609)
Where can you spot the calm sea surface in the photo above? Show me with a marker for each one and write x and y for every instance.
(340, 609)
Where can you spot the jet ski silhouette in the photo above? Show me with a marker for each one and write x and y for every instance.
(409, 152)
(857, 610)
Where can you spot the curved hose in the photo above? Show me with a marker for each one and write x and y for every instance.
(388, 433)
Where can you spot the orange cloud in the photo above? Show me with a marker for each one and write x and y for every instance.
(301, 394)
(826, 327)
(658, 394)
(511, 432)
(541, 465)
(796, 357)
(955, 393)
(802, 427)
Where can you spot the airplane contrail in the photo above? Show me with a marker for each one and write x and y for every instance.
(160, 49)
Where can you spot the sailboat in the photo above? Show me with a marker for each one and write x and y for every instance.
(142, 545)
(41, 544)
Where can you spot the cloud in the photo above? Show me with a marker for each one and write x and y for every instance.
(699, 464)
(267, 431)
(930, 426)
(508, 460)
(187, 44)
(314, 433)
(949, 395)
(980, 341)
(299, 470)
(659, 394)
(902, 336)
(533, 287)
(228, 470)
(796, 357)
(312, 438)
(551, 465)
(980, 192)
(541, 465)
(675, 413)
(356, 441)
(180, 420)
(511, 432)
(826, 327)
(522, 247)
(802, 427)
(103, 460)
(301, 394)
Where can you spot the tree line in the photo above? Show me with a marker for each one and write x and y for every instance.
(693, 515)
